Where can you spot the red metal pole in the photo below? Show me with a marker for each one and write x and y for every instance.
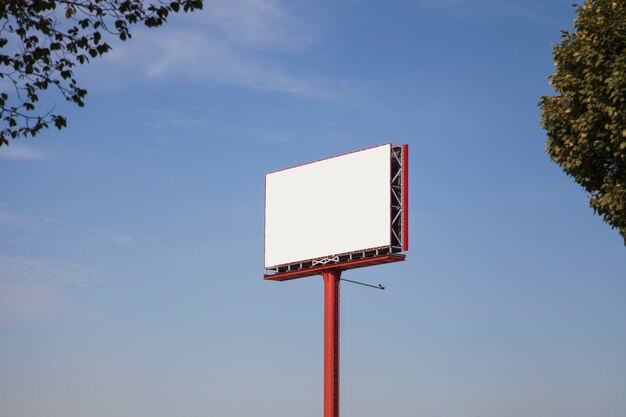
(331, 342)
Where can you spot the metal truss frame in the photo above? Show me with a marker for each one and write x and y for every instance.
(398, 221)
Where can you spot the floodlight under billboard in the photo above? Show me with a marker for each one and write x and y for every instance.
(343, 212)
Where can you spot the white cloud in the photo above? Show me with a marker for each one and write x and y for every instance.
(36, 230)
(193, 55)
(34, 286)
(195, 118)
(174, 119)
(24, 227)
(256, 22)
(21, 152)
(32, 289)
(48, 271)
(114, 238)
(239, 42)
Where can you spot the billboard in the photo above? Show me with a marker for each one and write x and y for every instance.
(335, 211)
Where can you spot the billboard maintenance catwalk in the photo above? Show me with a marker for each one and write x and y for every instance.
(328, 216)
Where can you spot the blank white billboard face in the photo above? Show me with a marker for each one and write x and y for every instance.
(329, 207)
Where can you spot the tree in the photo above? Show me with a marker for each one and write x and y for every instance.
(586, 120)
(41, 41)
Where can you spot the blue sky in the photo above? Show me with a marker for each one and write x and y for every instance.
(131, 243)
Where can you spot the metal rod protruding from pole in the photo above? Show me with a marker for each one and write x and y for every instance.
(332, 279)
(378, 287)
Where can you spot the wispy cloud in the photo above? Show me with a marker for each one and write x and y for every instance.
(36, 288)
(192, 55)
(119, 239)
(34, 285)
(24, 227)
(260, 23)
(160, 119)
(48, 271)
(241, 42)
(256, 134)
(18, 151)
(29, 229)
(16, 226)
(196, 118)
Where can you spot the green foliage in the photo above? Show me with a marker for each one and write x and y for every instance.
(41, 41)
(586, 120)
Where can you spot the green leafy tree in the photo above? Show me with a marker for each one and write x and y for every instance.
(586, 120)
(41, 41)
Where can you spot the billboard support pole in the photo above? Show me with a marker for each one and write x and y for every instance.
(332, 278)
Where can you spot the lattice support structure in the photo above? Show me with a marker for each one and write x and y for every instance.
(398, 200)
